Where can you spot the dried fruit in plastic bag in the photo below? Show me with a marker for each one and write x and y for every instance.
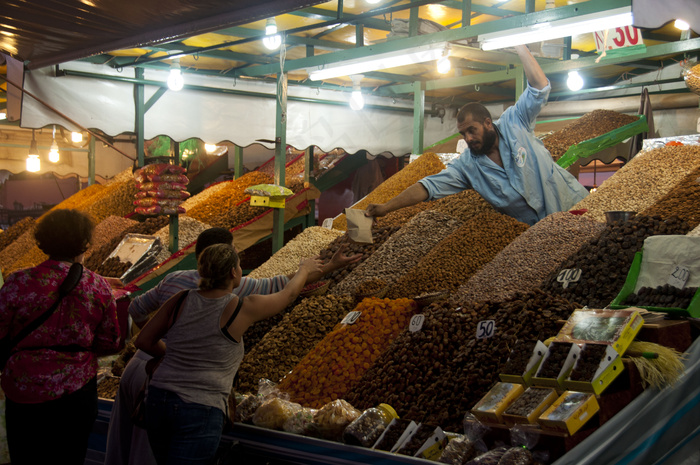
(458, 451)
(331, 420)
(274, 413)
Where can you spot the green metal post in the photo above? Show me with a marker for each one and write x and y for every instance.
(139, 107)
(466, 13)
(237, 161)
(308, 169)
(280, 157)
(418, 115)
(174, 230)
(413, 23)
(91, 161)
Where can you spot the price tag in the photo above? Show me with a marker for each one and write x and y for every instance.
(569, 275)
(679, 277)
(485, 329)
(416, 323)
(619, 37)
(327, 223)
(351, 318)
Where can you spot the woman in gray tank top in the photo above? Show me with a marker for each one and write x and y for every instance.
(187, 397)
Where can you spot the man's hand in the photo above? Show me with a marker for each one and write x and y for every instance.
(374, 210)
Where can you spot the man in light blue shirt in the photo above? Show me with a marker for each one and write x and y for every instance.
(505, 163)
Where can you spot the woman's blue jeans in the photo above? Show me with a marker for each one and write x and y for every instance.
(182, 432)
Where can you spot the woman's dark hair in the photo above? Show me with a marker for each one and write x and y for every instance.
(64, 234)
(212, 236)
(214, 266)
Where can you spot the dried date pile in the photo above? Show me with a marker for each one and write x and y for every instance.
(425, 165)
(461, 254)
(291, 339)
(528, 401)
(662, 296)
(113, 268)
(529, 259)
(589, 126)
(605, 261)
(476, 365)
(682, 201)
(643, 181)
(401, 251)
(588, 361)
(519, 357)
(554, 362)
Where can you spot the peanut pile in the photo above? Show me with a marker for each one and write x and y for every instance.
(16, 230)
(425, 165)
(683, 201)
(287, 343)
(308, 243)
(336, 363)
(589, 126)
(605, 261)
(527, 261)
(188, 229)
(14, 251)
(461, 254)
(401, 251)
(643, 181)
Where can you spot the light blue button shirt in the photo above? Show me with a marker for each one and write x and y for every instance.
(530, 185)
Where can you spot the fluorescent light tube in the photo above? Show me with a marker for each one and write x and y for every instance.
(583, 24)
(386, 60)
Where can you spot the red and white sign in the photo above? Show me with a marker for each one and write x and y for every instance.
(619, 37)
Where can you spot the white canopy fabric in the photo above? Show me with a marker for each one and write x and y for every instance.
(108, 105)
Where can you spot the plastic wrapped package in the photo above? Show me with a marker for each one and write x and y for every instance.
(300, 422)
(151, 201)
(367, 428)
(177, 178)
(458, 451)
(158, 169)
(268, 190)
(331, 420)
(163, 194)
(492, 457)
(245, 409)
(274, 413)
(516, 456)
(158, 210)
(691, 75)
(147, 186)
(523, 441)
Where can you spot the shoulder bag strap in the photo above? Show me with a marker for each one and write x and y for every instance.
(72, 279)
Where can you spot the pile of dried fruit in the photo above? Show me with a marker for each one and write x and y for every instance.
(287, 343)
(605, 261)
(15, 231)
(643, 181)
(527, 261)
(401, 251)
(682, 201)
(461, 254)
(425, 165)
(335, 364)
(305, 245)
(589, 126)
(188, 229)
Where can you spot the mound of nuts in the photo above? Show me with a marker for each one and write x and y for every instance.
(283, 347)
(461, 254)
(425, 165)
(308, 243)
(371, 286)
(682, 201)
(605, 261)
(527, 261)
(643, 181)
(589, 126)
(15, 231)
(401, 251)
(336, 363)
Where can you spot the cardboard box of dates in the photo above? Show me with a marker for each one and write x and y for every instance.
(596, 367)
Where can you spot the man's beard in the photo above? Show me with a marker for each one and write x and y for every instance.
(486, 144)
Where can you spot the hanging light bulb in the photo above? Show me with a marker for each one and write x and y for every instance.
(574, 81)
(175, 80)
(53, 152)
(372, 2)
(443, 64)
(209, 148)
(272, 40)
(33, 161)
(357, 102)
(681, 25)
(76, 137)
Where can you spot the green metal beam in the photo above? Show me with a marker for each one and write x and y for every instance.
(459, 81)
(43, 147)
(418, 116)
(280, 158)
(237, 162)
(139, 112)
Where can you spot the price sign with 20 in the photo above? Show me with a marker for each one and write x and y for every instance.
(485, 329)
